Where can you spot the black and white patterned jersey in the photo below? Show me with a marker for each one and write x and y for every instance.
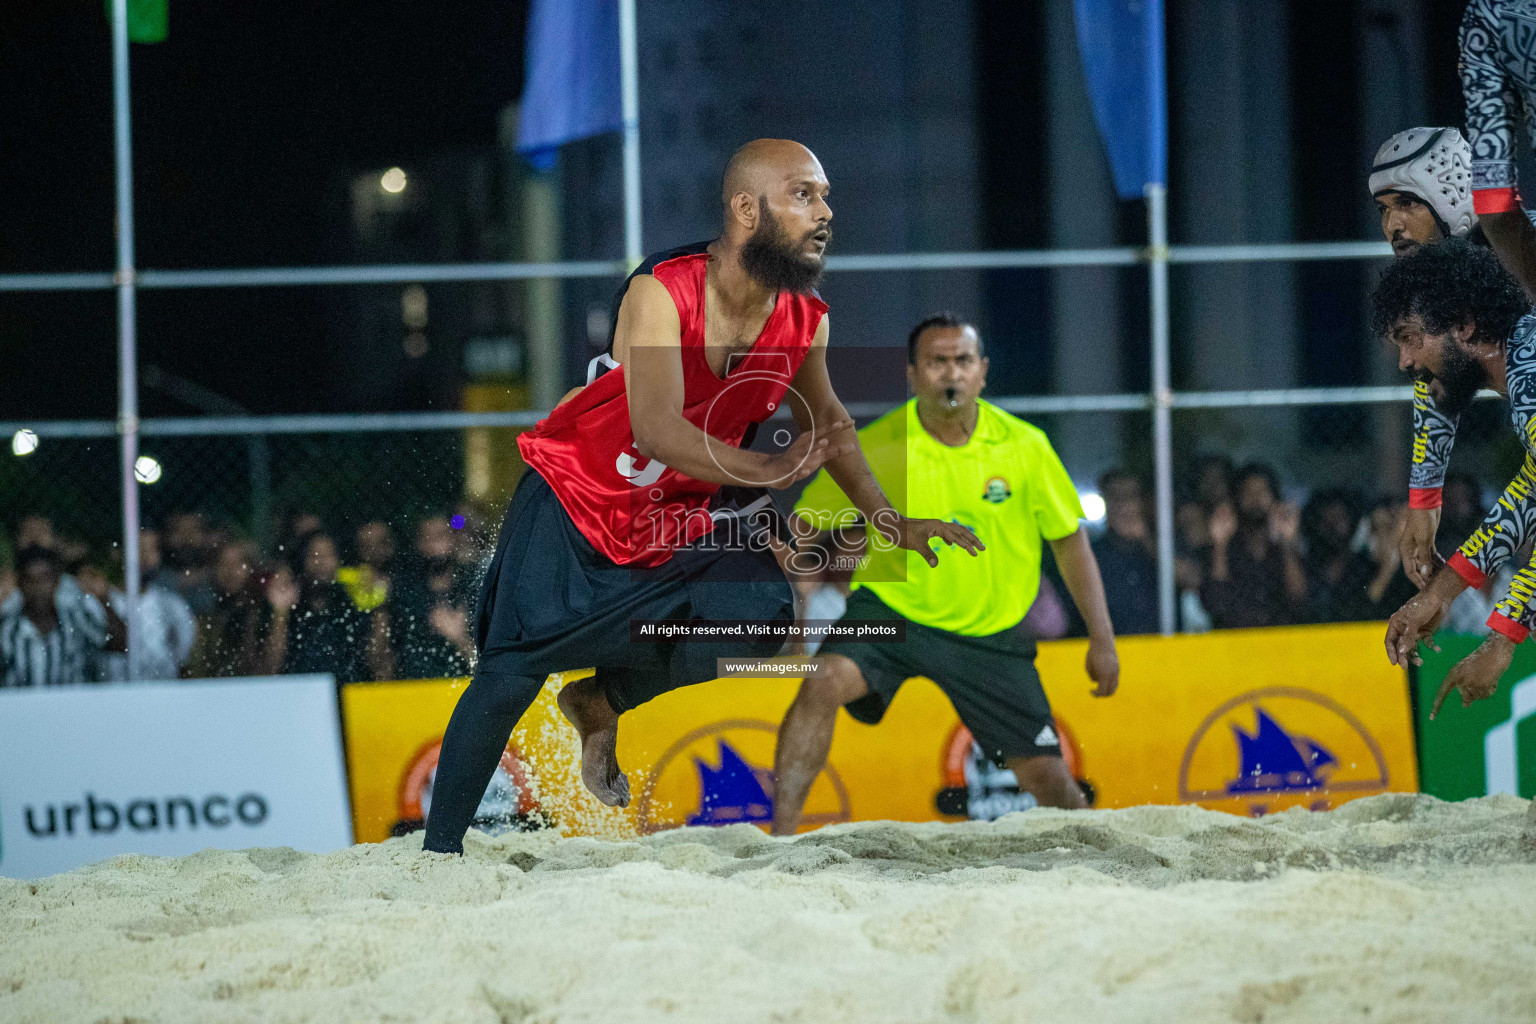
(1512, 520)
(1434, 432)
(1498, 83)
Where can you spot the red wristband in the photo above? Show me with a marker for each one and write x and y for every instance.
(1496, 200)
(1462, 566)
(1500, 623)
(1423, 497)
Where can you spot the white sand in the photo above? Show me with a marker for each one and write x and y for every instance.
(1394, 908)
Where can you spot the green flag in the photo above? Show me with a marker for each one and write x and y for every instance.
(148, 20)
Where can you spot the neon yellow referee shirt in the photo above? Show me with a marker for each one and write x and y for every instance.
(1006, 483)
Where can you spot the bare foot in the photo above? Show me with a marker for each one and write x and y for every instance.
(586, 707)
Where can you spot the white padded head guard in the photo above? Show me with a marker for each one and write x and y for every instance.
(1433, 165)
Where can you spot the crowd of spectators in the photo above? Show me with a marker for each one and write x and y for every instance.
(1244, 556)
(376, 602)
(213, 604)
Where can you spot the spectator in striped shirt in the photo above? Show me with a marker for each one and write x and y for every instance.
(163, 626)
(7, 570)
(54, 631)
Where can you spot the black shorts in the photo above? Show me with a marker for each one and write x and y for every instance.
(551, 602)
(991, 680)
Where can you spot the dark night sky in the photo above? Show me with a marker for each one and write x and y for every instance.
(253, 116)
(246, 120)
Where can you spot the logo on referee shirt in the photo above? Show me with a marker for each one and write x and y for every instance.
(997, 490)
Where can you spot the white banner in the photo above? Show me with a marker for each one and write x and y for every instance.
(90, 772)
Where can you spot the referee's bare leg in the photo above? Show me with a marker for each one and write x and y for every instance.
(1047, 778)
(805, 736)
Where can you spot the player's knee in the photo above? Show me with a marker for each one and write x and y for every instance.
(1049, 780)
(838, 683)
(503, 693)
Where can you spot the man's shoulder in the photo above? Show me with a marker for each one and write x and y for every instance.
(647, 268)
(165, 596)
(1005, 426)
(1523, 337)
(1025, 440)
(691, 250)
(675, 266)
(888, 428)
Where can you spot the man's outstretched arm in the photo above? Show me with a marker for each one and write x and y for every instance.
(819, 407)
(1513, 238)
(1477, 675)
(1434, 433)
(1486, 90)
(1506, 528)
(1080, 572)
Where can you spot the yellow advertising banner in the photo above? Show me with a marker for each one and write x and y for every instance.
(1246, 721)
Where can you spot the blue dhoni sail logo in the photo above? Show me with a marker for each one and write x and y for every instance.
(730, 793)
(1271, 759)
(1321, 755)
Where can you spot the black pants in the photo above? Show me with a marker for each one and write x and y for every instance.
(551, 602)
(991, 680)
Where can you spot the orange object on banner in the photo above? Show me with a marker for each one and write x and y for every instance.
(1246, 721)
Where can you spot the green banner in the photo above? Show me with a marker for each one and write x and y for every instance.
(148, 20)
(1490, 746)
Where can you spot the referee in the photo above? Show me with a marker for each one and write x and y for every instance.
(949, 455)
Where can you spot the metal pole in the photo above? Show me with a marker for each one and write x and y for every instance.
(629, 84)
(1162, 403)
(1157, 266)
(127, 342)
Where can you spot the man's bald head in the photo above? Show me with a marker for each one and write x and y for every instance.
(766, 166)
(776, 214)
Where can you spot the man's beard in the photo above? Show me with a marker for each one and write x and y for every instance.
(774, 260)
(1460, 377)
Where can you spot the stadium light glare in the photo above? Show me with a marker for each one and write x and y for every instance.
(392, 181)
(23, 442)
(1093, 506)
(146, 469)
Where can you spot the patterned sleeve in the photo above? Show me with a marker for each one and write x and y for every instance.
(1515, 614)
(1492, 107)
(1433, 434)
(1508, 525)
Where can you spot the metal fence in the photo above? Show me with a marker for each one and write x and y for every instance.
(250, 470)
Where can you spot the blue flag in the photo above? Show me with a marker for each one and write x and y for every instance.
(1121, 43)
(571, 88)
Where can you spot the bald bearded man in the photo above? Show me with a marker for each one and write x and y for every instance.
(642, 500)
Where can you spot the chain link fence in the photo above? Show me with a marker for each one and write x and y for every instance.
(255, 487)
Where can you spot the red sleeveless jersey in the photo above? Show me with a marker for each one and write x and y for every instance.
(634, 510)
